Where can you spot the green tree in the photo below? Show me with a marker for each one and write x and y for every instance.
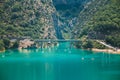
(6, 43)
(15, 45)
(1, 45)
(87, 44)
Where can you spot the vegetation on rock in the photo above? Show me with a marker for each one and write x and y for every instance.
(104, 24)
(47, 19)
(19, 18)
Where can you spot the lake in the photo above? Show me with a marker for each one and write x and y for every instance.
(58, 63)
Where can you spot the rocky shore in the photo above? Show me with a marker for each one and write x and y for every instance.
(25, 43)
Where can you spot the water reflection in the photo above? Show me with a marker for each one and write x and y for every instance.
(27, 51)
(58, 63)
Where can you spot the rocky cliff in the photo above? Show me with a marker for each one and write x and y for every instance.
(51, 19)
(44, 19)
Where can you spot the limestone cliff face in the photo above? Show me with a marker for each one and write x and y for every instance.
(67, 15)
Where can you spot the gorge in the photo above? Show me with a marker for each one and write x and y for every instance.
(59, 40)
(61, 19)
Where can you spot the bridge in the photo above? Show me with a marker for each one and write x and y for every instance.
(57, 40)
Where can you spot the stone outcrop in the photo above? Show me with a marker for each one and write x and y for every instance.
(25, 43)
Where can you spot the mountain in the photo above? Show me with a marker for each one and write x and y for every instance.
(100, 19)
(67, 13)
(61, 19)
(27, 18)
(44, 19)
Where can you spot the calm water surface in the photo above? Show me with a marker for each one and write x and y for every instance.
(58, 63)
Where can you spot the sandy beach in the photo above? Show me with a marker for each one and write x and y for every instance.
(107, 50)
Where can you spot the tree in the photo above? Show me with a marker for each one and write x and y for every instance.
(6, 43)
(113, 40)
(15, 45)
(87, 44)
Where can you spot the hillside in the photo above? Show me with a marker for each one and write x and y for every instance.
(67, 15)
(100, 21)
(26, 18)
(61, 19)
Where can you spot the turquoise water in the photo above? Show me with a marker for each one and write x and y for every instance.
(58, 63)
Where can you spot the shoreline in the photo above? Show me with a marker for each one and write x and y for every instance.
(93, 49)
(2, 51)
(106, 50)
